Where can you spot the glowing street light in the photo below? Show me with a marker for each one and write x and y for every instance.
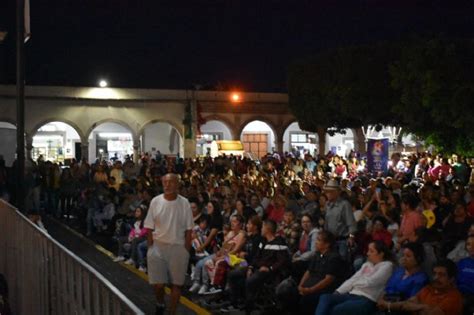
(103, 83)
(235, 97)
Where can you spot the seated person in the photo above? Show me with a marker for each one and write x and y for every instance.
(465, 279)
(236, 276)
(286, 228)
(196, 209)
(199, 235)
(359, 294)
(101, 218)
(136, 236)
(215, 227)
(455, 228)
(441, 297)
(408, 279)
(270, 262)
(324, 273)
(306, 247)
(460, 252)
(233, 244)
(359, 244)
(253, 239)
(380, 232)
(142, 251)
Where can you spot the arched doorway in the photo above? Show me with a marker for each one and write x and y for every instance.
(8, 147)
(56, 141)
(210, 131)
(162, 137)
(258, 138)
(110, 140)
(296, 139)
(340, 143)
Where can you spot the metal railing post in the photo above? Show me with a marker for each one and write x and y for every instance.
(46, 278)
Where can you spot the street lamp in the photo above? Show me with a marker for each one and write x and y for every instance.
(235, 97)
(103, 83)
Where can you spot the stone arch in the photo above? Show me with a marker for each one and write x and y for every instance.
(180, 141)
(276, 143)
(288, 123)
(176, 126)
(54, 144)
(8, 120)
(254, 118)
(225, 121)
(341, 141)
(110, 120)
(94, 152)
(8, 134)
(37, 126)
(294, 127)
(285, 126)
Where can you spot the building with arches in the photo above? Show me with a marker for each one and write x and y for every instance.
(89, 122)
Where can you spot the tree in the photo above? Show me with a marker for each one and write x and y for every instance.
(345, 88)
(434, 81)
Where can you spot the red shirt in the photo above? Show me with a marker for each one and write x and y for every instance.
(275, 214)
(470, 208)
(303, 246)
(384, 236)
(449, 302)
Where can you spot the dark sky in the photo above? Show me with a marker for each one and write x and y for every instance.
(239, 44)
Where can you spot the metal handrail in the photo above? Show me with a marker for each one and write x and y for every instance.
(44, 277)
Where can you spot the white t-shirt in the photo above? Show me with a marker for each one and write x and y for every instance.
(169, 220)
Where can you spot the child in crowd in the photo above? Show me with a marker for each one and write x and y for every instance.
(136, 236)
(290, 230)
(199, 236)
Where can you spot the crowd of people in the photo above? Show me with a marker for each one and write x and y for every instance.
(322, 233)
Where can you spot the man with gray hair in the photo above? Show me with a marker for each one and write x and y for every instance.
(169, 222)
(339, 217)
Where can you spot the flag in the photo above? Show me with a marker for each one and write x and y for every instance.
(27, 21)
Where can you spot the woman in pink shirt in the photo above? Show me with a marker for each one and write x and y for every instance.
(411, 219)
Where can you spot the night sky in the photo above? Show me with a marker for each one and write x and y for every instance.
(244, 45)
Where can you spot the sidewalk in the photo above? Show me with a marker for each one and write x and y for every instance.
(129, 281)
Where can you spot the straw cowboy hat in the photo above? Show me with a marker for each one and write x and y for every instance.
(332, 184)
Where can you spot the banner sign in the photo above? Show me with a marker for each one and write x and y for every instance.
(377, 155)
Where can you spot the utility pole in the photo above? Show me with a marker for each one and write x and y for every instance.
(20, 103)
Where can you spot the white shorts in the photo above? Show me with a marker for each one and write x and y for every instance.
(167, 263)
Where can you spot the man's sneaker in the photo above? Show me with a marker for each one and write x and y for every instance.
(203, 289)
(230, 308)
(119, 258)
(213, 290)
(195, 287)
(142, 269)
(129, 262)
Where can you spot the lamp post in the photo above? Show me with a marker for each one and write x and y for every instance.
(20, 103)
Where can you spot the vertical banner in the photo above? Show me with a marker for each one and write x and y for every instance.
(377, 155)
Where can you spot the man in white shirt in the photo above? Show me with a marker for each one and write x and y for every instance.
(169, 222)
